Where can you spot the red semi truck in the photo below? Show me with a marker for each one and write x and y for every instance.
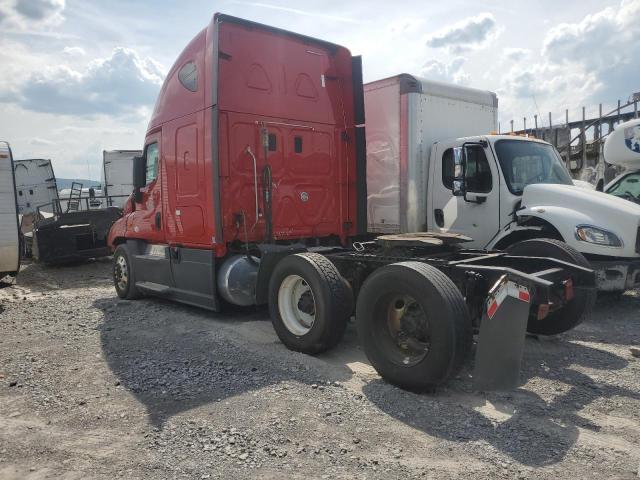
(252, 190)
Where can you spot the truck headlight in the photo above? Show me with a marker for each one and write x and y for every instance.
(599, 236)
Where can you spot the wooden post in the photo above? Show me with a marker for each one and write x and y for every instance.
(568, 154)
(524, 121)
(597, 145)
(535, 118)
(511, 126)
(583, 139)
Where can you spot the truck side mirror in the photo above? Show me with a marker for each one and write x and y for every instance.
(139, 177)
(458, 187)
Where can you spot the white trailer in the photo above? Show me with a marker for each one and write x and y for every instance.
(9, 229)
(35, 184)
(117, 175)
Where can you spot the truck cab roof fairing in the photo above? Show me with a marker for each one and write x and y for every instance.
(174, 100)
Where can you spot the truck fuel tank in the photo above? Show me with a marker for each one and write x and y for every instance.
(237, 279)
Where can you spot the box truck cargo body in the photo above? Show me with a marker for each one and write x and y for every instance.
(117, 175)
(405, 116)
(36, 185)
(9, 229)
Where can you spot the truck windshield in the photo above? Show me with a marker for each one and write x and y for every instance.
(524, 163)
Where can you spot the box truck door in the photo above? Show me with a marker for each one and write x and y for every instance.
(146, 222)
(477, 215)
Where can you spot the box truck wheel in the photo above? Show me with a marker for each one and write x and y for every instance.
(123, 274)
(413, 324)
(309, 302)
(572, 314)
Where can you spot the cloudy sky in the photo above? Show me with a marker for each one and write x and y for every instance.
(82, 76)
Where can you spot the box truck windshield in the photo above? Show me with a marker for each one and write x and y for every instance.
(526, 163)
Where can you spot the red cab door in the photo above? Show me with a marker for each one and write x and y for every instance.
(147, 221)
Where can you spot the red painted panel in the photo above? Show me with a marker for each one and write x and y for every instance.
(262, 78)
(276, 75)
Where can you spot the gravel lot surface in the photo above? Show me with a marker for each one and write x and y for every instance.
(95, 387)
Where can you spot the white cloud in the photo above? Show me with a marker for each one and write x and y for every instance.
(515, 54)
(469, 33)
(605, 44)
(587, 62)
(446, 72)
(74, 51)
(117, 85)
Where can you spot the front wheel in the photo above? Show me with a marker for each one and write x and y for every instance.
(123, 274)
(574, 312)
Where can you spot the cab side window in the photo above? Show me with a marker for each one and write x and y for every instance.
(447, 168)
(627, 185)
(478, 173)
(151, 155)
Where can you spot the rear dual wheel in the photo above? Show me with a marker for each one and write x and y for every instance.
(414, 325)
(309, 302)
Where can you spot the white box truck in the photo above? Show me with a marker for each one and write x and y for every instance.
(437, 143)
(117, 175)
(36, 185)
(9, 228)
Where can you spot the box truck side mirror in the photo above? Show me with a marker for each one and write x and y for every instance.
(139, 177)
(458, 187)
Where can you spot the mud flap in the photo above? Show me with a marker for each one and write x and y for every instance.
(501, 339)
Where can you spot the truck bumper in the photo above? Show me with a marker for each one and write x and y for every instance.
(617, 275)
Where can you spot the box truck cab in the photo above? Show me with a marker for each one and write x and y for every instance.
(497, 189)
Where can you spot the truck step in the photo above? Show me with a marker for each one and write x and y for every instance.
(152, 287)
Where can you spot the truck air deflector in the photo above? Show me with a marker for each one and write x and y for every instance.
(221, 17)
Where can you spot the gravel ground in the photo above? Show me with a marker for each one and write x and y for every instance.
(95, 387)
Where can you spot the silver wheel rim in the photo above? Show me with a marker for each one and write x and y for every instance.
(296, 305)
(122, 273)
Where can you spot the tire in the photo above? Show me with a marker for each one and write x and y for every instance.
(309, 303)
(447, 338)
(574, 312)
(124, 275)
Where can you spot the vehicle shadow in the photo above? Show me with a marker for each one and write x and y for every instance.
(523, 425)
(173, 357)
